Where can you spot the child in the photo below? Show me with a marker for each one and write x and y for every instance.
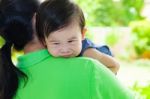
(64, 35)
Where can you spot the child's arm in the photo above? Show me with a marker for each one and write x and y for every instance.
(102, 54)
(105, 59)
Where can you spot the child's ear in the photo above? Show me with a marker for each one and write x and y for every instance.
(83, 33)
(44, 42)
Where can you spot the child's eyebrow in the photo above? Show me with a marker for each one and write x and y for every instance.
(53, 40)
(74, 37)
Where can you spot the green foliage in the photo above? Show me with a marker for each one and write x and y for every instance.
(112, 38)
(133, 8)
(110, 12)
(141, 37)
(2, 41)
(142, 92)
(89, 35)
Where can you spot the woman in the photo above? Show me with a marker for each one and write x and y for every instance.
(16, 28)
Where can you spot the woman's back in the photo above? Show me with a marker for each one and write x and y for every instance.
(72, 78)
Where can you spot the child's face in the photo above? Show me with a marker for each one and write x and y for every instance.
(65, 42)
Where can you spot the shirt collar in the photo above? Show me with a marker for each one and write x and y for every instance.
(32, 58)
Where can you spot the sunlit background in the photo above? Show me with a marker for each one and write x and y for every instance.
(124, 25)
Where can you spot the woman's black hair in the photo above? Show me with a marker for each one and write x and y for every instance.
(53, 15)
(16, 29)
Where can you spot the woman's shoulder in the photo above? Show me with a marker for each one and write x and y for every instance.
(77, 62)
(88, 62)
(84, 60)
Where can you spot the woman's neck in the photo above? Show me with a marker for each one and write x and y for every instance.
(33, 45)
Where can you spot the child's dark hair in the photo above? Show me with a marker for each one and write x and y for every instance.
(56, 14)
(16, 29)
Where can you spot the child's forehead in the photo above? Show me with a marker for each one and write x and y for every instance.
(69, 31)
(65, 35)
(70, 28)
(71, 25)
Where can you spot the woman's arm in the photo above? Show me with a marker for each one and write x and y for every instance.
(107, 60)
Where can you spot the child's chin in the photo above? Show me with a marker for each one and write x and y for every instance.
(67, 56)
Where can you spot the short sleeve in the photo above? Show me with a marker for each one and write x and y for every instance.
(105, 85)
(104, 49)
(86, 43)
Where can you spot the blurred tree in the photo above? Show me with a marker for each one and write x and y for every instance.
(2, 41)
(141, 37)
(111, 12)
(132, 9)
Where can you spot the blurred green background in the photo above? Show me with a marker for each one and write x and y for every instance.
(124, 25)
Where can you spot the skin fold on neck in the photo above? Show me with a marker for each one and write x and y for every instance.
(33, 45)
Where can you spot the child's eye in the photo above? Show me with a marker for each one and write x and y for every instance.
(70, 41)
(56, 43)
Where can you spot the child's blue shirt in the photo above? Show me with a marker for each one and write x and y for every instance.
(86, 43)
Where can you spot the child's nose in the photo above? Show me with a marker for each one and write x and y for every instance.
(65, 49)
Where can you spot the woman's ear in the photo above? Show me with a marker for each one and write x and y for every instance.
(83, 32)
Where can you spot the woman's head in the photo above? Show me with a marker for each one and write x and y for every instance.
(60, 24)
(16, 16)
